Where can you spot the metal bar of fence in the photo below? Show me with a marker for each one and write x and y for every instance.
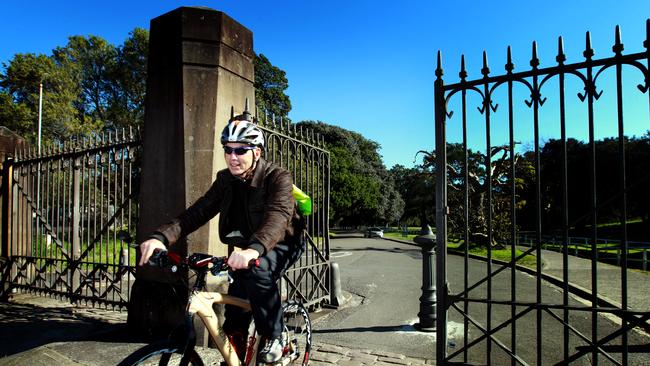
(618, 49)
(513, 212)
(463, 75)
(441, 216)
(538, 199)
(488, 169)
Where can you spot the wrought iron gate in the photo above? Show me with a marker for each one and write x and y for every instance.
(63, 209)
(507, 318)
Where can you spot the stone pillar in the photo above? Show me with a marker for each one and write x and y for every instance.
(200, 66)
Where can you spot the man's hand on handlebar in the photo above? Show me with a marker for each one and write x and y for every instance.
(241, 259)
(147, 248)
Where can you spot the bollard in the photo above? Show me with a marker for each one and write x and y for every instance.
(336, 296)
(427, 315)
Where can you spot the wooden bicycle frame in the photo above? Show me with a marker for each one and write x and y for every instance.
(200, 303)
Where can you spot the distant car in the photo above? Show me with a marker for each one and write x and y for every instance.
(374, 232)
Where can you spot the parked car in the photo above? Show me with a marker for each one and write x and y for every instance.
(374, 232)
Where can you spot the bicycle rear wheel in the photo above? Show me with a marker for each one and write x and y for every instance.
(297, 332)
(161, 353)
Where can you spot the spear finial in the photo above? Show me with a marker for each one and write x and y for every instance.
(589, 52)
(485, 70)
(561, 57)
(509, 65)
(618, 45)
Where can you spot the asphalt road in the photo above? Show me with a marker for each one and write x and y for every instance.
(381, 281)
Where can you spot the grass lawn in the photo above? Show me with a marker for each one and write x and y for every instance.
(454, 245)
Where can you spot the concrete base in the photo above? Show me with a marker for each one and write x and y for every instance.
(425, 328)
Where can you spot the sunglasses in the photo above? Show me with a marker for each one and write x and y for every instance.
(237, 150)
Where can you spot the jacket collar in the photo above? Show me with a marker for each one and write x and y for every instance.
(259, 173)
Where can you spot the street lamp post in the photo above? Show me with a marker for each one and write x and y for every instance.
(40, 120)
(427, 315)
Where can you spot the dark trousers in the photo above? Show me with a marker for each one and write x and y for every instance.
(260, 286)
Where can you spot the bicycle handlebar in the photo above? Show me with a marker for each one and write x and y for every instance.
(195, 261)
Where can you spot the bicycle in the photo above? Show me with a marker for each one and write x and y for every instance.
(179, 347)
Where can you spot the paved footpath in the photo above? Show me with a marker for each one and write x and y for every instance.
(37, 330)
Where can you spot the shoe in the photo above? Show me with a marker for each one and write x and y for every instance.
(272, 351)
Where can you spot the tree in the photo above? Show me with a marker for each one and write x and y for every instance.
(578, 188)
(90, 61)
(19, 97)
(270, 86)
(362, 190)
(467, 171)
(128, 81)
(417, 188)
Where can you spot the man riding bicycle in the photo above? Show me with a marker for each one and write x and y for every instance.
(258, 216)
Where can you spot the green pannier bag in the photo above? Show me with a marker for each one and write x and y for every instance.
(302, 200)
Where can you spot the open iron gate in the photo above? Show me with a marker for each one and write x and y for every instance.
(496, 308)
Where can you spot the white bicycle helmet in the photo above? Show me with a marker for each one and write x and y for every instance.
(242, 131)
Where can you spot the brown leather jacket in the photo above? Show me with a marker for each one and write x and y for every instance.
(269, 208)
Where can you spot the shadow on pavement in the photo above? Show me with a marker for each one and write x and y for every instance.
(26, 326)
(375, 329)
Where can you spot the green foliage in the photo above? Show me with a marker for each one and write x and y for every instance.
(270, 86)
(467, 190)
(361, 189)
(579, 163)
(417, 188)
(88, 85)
(19, 97)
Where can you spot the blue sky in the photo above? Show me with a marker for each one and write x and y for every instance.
(368, 65)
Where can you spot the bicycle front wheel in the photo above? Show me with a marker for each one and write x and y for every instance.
(297, 332)
(162, 353)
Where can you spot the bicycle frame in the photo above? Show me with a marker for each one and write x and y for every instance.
(200, 303)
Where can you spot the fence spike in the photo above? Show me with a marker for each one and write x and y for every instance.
(485, 70)
(463, 72)
(589, 52)
(618, 45)
(509, 65)
(561, 57)
(439, 71)
(534, 61)
(246, 113)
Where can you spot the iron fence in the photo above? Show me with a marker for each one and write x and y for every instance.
(63, 209)
(504, 317)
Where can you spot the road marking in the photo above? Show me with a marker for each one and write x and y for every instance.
(340, 254)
